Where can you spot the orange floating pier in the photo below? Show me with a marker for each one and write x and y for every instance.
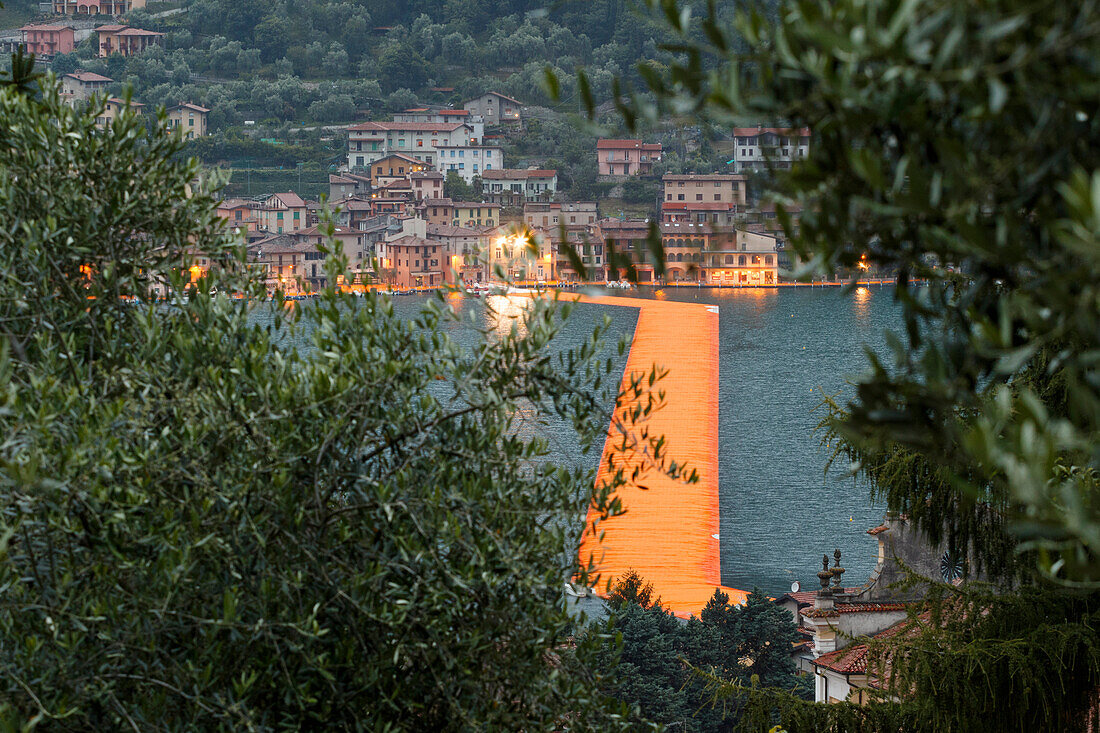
(669, 531)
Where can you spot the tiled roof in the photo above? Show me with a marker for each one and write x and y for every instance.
(188, 105)
(138, 32)
(753, 131)
(45, 28)
(625, 145)
(497, 174)
(877, 530)
(89, 77)
(333, 178)
(495, 94)
(438, 202)
(446, 230)
(859, 607)
(702, 177)
(290, 199)
(699, 205)
(454, 112)
(402, 156)
(111, 28)
(805, 597)
(407, 126)
(427, 174)
(852, 659)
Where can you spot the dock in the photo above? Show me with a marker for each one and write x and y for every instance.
(669, 531)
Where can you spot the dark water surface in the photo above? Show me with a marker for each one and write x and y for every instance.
(779, 351)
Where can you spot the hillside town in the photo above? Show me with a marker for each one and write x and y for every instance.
(398, 227)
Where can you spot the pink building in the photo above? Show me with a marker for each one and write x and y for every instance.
(48, 40)
(123, 39)
(626, 157)
(96, 7)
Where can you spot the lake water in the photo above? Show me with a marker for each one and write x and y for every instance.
(780, 351)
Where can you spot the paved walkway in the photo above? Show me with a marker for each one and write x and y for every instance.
(669, 531)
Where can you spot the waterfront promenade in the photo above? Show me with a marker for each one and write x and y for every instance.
(669, 531)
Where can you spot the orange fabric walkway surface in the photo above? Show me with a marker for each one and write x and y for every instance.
(668, 533)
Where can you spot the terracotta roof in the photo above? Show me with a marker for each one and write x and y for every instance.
(333, 178)
(446, 230)
(89, 76)
(289, 199)
(625, 145)
(188, 105)
(111, 28)
(411, 240)
(494, 174)
(702, 177)
(852, 659)
(409, 126)
(858, 607)
(454, 112)
(877, 530)
(753, 131)
(417, 109)
(138, 32)
(131, 103)
(427, 174)
(439, 202)
(46, 28)
(806, 597)
(495, 94)
(699, 205)
(402, 156)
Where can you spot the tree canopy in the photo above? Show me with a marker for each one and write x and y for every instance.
(955, 144)
(257, 514)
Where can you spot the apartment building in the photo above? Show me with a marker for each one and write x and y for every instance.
(514, 187)
(626, 157)
(47, 41)
(80, 85)
(716, 198)
(761, 148)
(470, 161)
(124, 40)
(370, 141)
(189, 119)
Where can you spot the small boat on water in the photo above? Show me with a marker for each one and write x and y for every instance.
(621, 284)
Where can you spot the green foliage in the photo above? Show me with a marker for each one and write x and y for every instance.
(654, 661)
(221, 515)
(456, 188)
(956, 144)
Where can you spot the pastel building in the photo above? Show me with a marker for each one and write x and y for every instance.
(47, 40)
(760, 148)
(81, 85)
(714, 198)
(370, 141)
(517, 186)
(96, 7)
(124, 40)
(626, 157)
(189, 119)
(495, 108)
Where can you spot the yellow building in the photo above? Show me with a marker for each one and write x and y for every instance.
(189, 119)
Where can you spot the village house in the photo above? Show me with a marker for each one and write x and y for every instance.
(350, 240)
(715, 198)
(437, 211)
(573, 223)
(394, 166)
(96, 7)
(124, 40)
(471, 214)
(514, 187)
(760, 148)
(440, 116)
(189, 119)
(409, 259)
(343, 185)
(241, 215)
(470, 161)
(370, 141)
(495, 108)
(283, 213)
(741, 259)
(466, 250)
(427, 184)
(839, 621)
(46, 41)
(285, 261)
(113, 108)
(626, 157)
(81, 85)
(522, 253)
(551, 215)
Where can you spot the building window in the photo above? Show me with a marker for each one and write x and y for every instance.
(698, 197)
(717, 197)
(679, 197)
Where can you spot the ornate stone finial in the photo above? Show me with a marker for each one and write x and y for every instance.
(824, 574)
(837, 571)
